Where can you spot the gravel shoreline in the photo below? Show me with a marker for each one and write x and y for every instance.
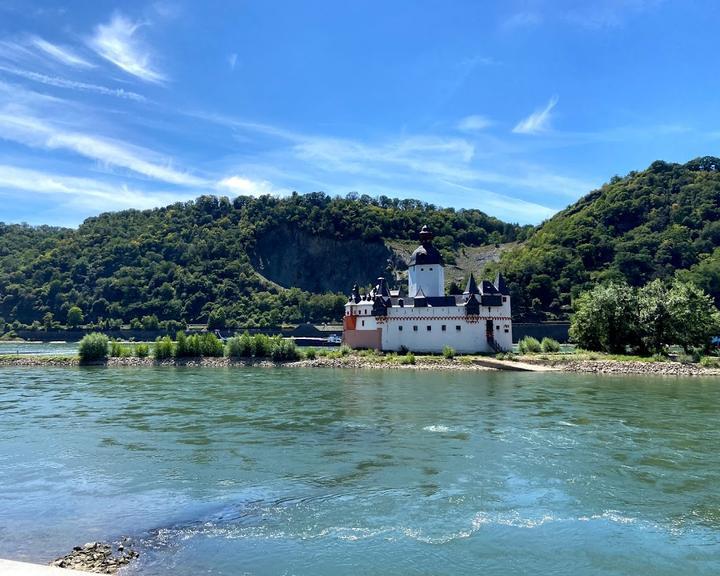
(364, 362)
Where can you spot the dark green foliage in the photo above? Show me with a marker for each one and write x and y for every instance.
(617, 318)
(163, 348)
(311, 353)
(93, 346)
(217, 319)
(190, 261)
(647, 225)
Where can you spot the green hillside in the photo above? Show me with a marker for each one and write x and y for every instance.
(650, 224)
(255, 261)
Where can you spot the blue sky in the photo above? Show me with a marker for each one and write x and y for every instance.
(517, 108)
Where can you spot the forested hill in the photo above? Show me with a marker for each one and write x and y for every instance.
(649, 224)
(251, 261)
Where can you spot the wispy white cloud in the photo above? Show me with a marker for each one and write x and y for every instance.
(474, 123)
(88, 193)
(243, 186)
(232, 60)
(73, 84)
(538, 121)
(18, 126)
(118, 42)
(60, 53)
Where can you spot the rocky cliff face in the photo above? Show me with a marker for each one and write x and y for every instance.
(293, 258)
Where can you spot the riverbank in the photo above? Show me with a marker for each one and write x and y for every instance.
(563, 363)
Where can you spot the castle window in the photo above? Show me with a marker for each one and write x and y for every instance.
(430, 269)
(458, 328)
(414, 328)
(443, 328)
(429, 328)
(400, 328)
(497, 327)
(363, 322)
(504, 298)
(422, 269)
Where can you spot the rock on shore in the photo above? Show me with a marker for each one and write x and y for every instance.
(98, 557)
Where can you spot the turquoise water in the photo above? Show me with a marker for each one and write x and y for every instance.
(288, 471)
(39, 348)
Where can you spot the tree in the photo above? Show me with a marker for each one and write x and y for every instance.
(606, 318)
(75, 317)
(216, 319)
(656, 322)
(695, 319)
(48, 320)
(150, 322)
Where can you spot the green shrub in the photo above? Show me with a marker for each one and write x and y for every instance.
(93, 346)
(310, 354)
(710, 362)
(142, 350)
(210, 345)
(529, 345)
(550, 345)
(344, 350)
(409, 358)
(181, 346)
(448, 352)
(163, 348)
(119, 350)
(322, 353)
(261, 345)
(282, 349)
(240, 346)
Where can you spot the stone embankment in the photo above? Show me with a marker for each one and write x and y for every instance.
(466, 363)
(98, 557)
(635, 367)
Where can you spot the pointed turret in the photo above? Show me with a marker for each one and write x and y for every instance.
(501, 285)
(472, 287)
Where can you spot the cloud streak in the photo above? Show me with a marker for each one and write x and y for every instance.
(73, 84)
(31, 131)
(538, 121)
(61, 54)
(85, 192)
(118, 42)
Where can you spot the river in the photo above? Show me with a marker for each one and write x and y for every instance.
(331, 472)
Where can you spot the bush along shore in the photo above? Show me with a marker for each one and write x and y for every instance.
(264, 351)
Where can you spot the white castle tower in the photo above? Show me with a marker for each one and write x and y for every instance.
(426, 272)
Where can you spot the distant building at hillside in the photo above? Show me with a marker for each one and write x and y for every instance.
(426, 320)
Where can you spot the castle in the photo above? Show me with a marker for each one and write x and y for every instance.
(427, 320)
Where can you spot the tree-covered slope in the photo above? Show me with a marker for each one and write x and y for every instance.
(647, 225)
(257, 259)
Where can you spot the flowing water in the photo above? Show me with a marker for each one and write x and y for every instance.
(314, 472)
